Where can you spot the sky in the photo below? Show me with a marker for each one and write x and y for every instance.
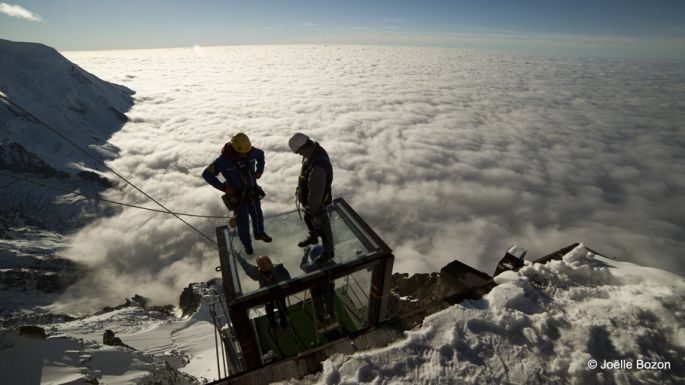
(626, 28)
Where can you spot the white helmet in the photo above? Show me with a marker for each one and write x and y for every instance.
(297, 141)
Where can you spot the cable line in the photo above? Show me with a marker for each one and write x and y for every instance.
(106, 200)
(88, 154)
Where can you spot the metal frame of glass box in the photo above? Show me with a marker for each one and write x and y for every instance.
(378, 258)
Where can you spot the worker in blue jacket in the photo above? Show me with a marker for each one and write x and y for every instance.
(241, 165)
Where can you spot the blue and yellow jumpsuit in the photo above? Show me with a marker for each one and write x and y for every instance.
(241, 184)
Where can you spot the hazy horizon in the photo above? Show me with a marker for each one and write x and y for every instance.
(586, 28)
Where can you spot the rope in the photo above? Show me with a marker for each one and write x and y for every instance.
(212, 312)
(106, 200)
(376, 296)
(88, 154)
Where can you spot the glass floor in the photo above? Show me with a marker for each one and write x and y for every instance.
(303, 330)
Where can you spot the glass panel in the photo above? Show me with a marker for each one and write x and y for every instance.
(347, 245)
(310, 321)
(287, 230)
(352, 294)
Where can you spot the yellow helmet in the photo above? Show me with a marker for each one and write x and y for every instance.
(241, 143)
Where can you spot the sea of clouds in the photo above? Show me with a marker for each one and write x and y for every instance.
(445, 153)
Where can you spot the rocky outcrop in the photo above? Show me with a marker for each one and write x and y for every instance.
(141, 302)
(412, 292)
(191, 296)
(136, 300)
(109, 338)
(189, 301)
(31, 331)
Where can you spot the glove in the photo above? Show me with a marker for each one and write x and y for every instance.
(258, 174)
(228, 189)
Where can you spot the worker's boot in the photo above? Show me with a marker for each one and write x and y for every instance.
(310, 240)
(263, 237)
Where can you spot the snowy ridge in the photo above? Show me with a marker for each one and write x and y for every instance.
(37, 83)
(541, 325)
(47, 87)
(82, 107)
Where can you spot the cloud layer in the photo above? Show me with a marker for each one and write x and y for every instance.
(447, 154)
(19, 12)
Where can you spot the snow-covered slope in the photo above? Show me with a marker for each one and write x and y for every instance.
(166, 349)
(541, 325)
(82, 107)
(38, 84)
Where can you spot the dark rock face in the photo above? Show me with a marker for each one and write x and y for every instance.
(54, 278)
(108, 338)
(4, 225)
(19, 318)
(416, 285)
(32, 332)
(156, 312)
(414, 292)
(90, 176)
(136, 300)
(189, 301)
(191, 296)
(14, 157)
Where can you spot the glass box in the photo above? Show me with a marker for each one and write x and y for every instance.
(346, 295)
